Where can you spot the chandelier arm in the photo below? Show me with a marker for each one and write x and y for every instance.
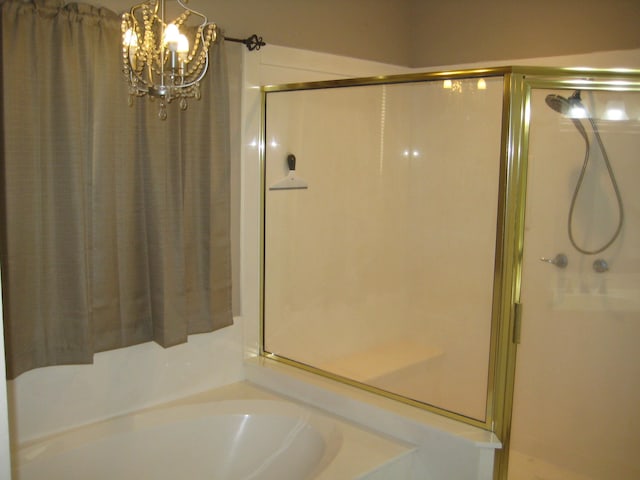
(201, 15)
(201, 75)
(204, 53)
(138, 80)
(141, 6)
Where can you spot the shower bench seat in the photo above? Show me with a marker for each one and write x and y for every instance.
(381, 360)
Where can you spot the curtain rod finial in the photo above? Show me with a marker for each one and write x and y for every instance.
(254, 42)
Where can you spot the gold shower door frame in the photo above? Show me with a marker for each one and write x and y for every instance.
(523, 81)
(518, 83)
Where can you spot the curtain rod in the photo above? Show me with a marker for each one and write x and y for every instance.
(252, 43)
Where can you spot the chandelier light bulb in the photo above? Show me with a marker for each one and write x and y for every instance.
(170, 37)
(183, 44)
(130, 39)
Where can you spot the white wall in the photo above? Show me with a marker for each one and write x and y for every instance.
(51, 399)
(275, 66)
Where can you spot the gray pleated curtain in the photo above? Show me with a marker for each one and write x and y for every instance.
(114, 224)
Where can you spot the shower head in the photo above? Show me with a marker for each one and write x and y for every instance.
(570, 107)
(558, 103)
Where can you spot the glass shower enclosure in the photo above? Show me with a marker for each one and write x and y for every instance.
(577, 381)
(399, 249)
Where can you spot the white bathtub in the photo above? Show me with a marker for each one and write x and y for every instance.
(256, 436)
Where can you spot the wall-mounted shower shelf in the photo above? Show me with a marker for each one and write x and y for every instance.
(598, 292)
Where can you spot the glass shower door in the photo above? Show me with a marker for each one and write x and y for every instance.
(576, 412)
(379, 243)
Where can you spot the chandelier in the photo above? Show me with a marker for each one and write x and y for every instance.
(165, 61)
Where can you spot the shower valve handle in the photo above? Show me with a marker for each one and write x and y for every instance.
(560, 260)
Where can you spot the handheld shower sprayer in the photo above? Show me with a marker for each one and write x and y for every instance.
(565, 106)
(574, 109)
(571, 108)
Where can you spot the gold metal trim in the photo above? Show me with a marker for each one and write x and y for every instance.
(608, 77)
(390, 79)
(519, 117)
(506, 310)
(378, 391)
(516, 118)
(501, 279)
(488, 423)
(262, 166)
(517, 329)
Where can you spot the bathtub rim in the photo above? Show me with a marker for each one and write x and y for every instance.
(165, 417)
(381, 451)
(386, 416)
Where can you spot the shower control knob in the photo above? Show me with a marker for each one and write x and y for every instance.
(560, 260)
(600, 265)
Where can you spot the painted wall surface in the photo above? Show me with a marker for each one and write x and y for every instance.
(461, 31)
(420, 33)
(374, 30)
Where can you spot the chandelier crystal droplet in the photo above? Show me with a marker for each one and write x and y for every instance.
(165, 60)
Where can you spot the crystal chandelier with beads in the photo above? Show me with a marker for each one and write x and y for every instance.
(165, 61)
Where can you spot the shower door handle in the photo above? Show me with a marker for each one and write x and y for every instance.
(560, 260)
